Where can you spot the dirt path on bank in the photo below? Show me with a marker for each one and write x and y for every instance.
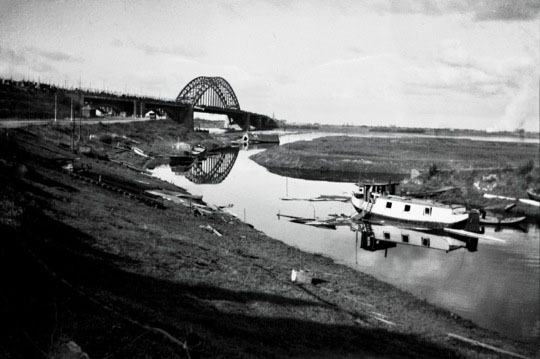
(128, 278)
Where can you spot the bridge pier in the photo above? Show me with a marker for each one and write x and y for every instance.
(247, 121)
(186, 117)
(142, 108)
(257, 123)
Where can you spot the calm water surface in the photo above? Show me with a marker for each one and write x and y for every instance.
(497, 287)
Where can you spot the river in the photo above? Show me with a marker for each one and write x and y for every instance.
(496, 286)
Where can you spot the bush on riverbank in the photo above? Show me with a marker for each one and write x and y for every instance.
(473, 184)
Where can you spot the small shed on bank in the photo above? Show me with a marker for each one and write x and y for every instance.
(88, 111)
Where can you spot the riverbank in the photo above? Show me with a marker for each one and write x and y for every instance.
(476, 167)
(96, 263)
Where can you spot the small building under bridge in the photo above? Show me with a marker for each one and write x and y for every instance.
(88, 112)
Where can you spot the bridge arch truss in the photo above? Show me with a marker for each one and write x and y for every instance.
(209, 91)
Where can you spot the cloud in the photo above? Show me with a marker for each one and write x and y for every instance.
(482, 10)
(452, 71)
(356, 50)
(116, 43)
(57, 56)
(32, 60)
(522, 110)
(340, 62)
(11, 56)
(507, 10)
(42, 67)
(174, 50)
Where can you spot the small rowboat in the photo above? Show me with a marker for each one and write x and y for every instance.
(501, 221)
(533, 195)
(198, 150)
(138, 151)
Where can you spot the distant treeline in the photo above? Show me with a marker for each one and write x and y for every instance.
(300, 127)
(397, 129)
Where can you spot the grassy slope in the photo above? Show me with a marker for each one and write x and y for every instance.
(82, 263)
(17, 102)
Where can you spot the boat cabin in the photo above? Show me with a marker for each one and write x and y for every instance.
(371, 190)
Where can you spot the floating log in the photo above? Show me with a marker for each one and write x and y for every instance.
(296, 218)
(321, 198)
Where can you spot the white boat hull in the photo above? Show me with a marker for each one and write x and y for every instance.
(401, 210)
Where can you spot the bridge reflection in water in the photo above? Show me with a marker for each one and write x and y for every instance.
(211, 168)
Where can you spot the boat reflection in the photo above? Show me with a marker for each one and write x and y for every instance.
(382, 237)
(247, 146)
(211, 168)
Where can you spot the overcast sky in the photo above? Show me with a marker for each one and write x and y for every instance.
(454, 63)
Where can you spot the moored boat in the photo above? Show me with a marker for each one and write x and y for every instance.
(198, 150)
(508, 221)
(378, 201)
(533, 195)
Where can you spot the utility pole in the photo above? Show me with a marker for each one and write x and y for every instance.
(72, 129)
(80, 118)
(55, 100)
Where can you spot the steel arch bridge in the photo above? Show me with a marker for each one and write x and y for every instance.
(209, 91)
